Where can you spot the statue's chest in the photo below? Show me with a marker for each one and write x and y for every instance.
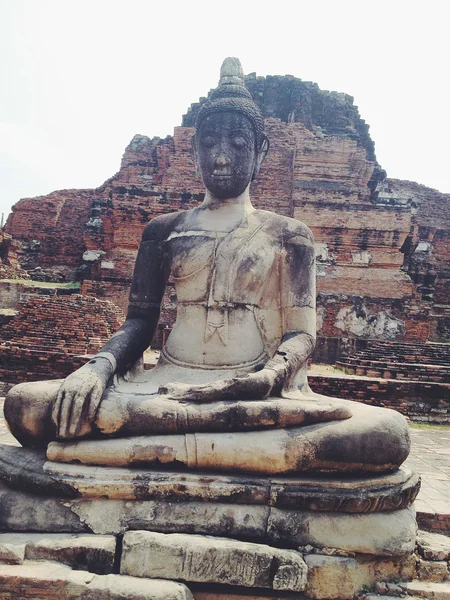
(218, 268)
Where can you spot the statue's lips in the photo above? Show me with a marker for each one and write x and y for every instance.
(221, 176)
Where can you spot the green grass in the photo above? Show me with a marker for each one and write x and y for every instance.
(429, 426)
(71, 285)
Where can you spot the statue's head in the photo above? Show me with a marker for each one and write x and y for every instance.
(230, 143)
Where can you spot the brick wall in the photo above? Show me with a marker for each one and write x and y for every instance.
(421, 402)
(9, 262)
(50, 336)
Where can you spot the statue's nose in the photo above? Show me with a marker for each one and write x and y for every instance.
(222, 160)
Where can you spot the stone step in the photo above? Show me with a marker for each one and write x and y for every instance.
(94, 553)
(433, 546)
(53, 581)
(421, 589)
(204, 559)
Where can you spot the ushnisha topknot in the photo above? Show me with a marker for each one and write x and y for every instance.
(231, 94)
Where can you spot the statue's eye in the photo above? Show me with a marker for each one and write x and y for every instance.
(208, 141)
(239, 141)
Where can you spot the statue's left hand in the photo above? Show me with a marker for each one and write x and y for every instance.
(250, 387)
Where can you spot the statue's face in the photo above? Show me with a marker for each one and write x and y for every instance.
(226, 153)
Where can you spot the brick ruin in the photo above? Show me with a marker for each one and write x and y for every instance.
(413, 379)
(50, 337)
(382, 245)
(9, 261)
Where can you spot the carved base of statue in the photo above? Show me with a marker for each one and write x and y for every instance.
(288, 534)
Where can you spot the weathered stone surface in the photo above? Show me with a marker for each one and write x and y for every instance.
(391, 533)
(11, 550)
(195, 558)
(433, 546)
(386, 533)
(341, 577)
(20, 511)
(428, 570)
(9, 264)
(46, 580)
(437, 591)
(27, 469)
(93, 553)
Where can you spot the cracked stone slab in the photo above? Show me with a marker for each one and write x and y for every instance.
(390, 533)
(437, 591)
(433, 546)
(89, 552)
(205, 559)
(52, 581)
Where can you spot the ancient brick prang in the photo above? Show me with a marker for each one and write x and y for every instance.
(51, 336)
(426, 249)
(321, 169)
(292, 100)
(51, 227)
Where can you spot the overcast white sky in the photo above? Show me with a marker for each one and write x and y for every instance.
(79, 78)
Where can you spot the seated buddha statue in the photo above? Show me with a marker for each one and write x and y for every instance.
(230, 391)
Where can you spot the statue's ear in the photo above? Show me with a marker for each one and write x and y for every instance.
(195, 153)
(262, 153)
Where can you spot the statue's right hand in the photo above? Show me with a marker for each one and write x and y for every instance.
(79, 397)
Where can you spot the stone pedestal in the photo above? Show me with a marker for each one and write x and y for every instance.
(217, 536)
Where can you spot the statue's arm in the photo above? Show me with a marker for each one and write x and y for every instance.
(79, 396)
(298, 309)
(150, 276)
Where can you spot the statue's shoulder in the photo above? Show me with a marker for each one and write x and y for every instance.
(285, 229)
(160, 227)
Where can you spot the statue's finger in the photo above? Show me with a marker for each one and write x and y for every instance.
(57, 407)
(92, 406)
(65, 413)
(75, 416)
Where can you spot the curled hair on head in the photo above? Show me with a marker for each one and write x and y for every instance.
(232, 95)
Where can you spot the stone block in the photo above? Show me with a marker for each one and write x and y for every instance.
(433, 546)
(429, 570)
(436, 591)
(11, 551)
(52, 581)
(20, 511)
(342, 577)
(390, 533)
(206, 559)
(93, 553)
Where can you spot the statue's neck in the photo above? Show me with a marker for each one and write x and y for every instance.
(227, 213)
(238, 203)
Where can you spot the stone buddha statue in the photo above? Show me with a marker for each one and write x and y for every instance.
(230, 391)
